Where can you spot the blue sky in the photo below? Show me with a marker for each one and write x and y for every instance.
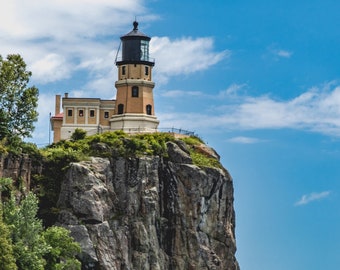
(258, 80)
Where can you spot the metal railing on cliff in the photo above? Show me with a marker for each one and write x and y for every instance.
(178, 131)
(100, 129)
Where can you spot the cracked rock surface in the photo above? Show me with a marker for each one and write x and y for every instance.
(150, 213)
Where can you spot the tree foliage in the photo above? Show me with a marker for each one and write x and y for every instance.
(26, 230)
(78, 134)
(18, 101)
(7, 259)
(63, 249)
(23, 236)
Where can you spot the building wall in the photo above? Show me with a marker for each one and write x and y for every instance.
(134, 71)
(89, 114)
(134, 104)
(107, 109)
(56, 127)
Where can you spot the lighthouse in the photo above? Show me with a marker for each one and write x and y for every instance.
(134, 107)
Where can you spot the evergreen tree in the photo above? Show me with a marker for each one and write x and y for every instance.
(7, 259)
(18, 102)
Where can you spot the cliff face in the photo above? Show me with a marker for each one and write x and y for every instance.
(150, 213)
(19, 168)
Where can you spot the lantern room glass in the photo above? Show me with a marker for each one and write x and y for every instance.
(144, 47)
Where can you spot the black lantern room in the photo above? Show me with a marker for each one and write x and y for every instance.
(135, 48)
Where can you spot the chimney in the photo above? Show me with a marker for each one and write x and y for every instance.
(66, 95)
(57, 104)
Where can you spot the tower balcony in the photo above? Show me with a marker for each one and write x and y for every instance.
(145, 61)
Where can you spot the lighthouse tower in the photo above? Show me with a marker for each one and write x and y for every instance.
(134, 109)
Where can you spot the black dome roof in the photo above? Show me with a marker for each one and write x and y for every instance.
(135, 33)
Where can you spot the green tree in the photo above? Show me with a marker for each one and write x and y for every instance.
(26, 232)
(7, 259)
(18, 102)
(24, 242)
(63, 249)
(5, 183)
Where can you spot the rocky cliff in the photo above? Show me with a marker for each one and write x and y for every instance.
(150, 212)
(19, 168)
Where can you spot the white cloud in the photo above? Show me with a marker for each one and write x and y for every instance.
(244, 140)
(284, 53)
(316, 110)
(274, 52)
(61, 19)
(51, 68)
(183, 56)
(232, 90)
(58, 37)
(308, 198)
(181, 93)
(102, 85)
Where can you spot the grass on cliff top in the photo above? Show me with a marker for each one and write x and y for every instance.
(200, 158)
(118, 143)
(109, 144)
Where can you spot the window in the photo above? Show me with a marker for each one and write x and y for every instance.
(120, 109)
(92, 113)
(146, 70)
(144, 47)
(81, 113)
(123, 70)
(69, 113)
(135, 91)
(106, 114)
(148, 109)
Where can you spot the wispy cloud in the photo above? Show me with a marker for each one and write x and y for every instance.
(181, 93)
(232, 90)
(50, 68)
(275, 52)
(244, 140)
(179, 56)
(308, 198)
(56, 38)
(284, 53)
(316, 110)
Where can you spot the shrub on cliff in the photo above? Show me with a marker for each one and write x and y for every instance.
(199, 157)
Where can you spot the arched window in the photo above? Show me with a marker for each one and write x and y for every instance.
(135, 91)
(148, 109)
(120, 108)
